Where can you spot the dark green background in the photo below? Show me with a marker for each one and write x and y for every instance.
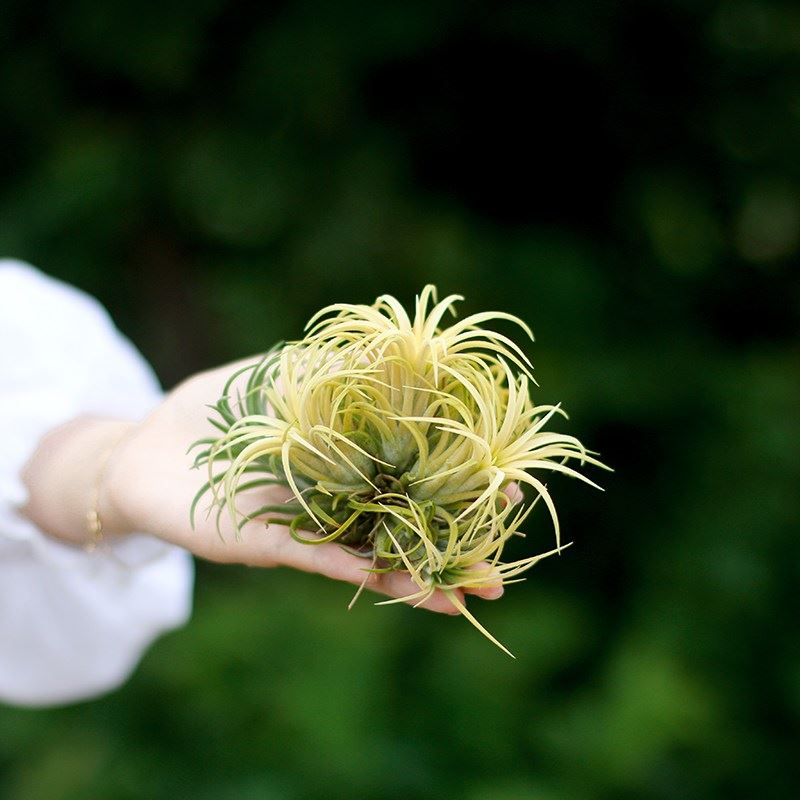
(625, 176)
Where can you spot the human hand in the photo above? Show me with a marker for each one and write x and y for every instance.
(148, 487)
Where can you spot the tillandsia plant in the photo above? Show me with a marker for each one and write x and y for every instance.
(397, 438)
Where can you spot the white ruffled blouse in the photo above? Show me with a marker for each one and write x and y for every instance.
(72, 624)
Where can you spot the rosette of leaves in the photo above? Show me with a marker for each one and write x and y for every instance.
(398, 438)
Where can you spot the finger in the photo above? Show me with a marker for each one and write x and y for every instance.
(400, 584)
(514, 493)
(332, 561)
(491, 590)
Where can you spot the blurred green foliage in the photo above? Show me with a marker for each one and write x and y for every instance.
(625, 176)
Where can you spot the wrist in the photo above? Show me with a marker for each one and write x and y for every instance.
(65, 479)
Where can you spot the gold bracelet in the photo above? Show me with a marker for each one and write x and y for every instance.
(93, 521)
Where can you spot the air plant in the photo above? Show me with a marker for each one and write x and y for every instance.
(398, 439)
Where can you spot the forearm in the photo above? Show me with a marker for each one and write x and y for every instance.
(64, 474)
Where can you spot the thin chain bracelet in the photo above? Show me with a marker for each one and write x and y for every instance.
(96, 537)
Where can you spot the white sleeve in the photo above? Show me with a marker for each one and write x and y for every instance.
(72, 624)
